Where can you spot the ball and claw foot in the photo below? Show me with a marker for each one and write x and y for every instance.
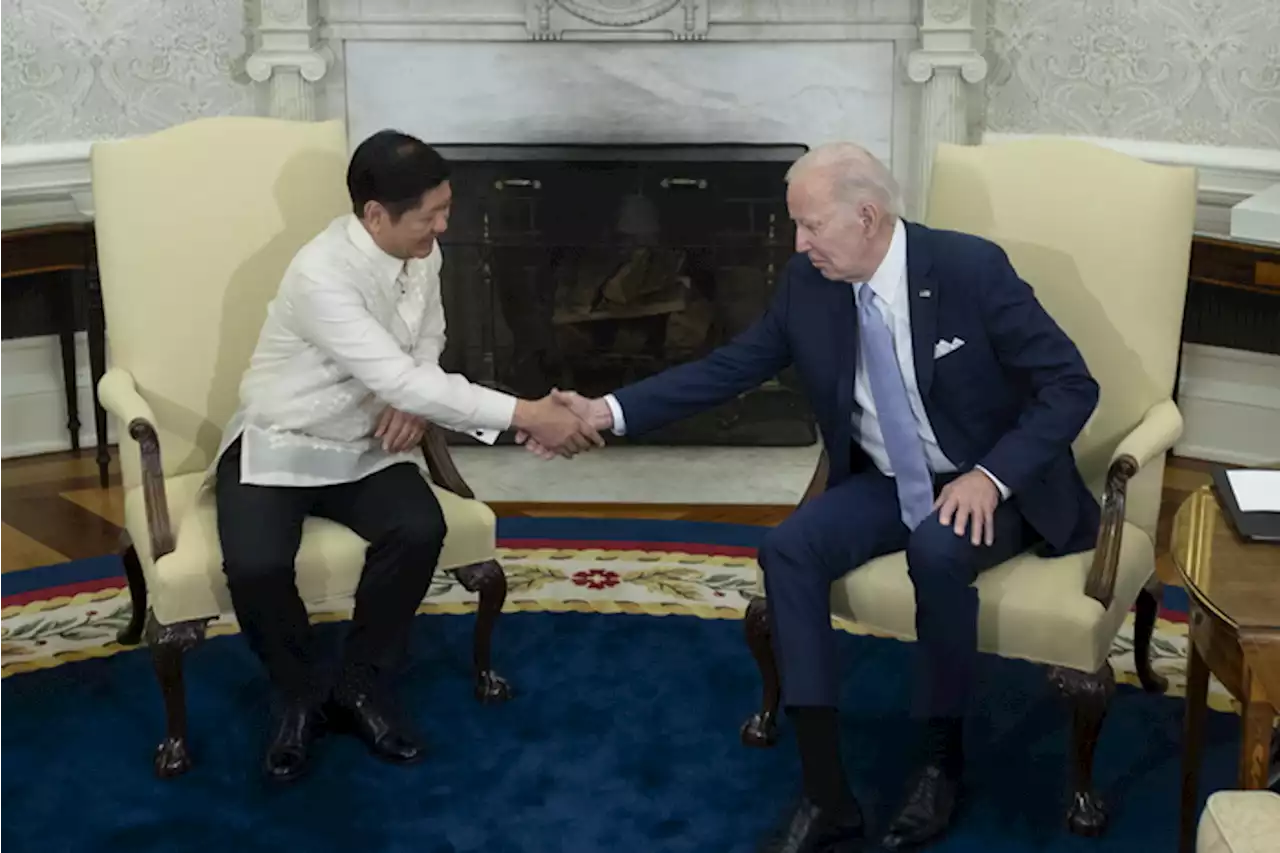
(172, 758)
(760, 730)
(492, 688)
(1087, 815)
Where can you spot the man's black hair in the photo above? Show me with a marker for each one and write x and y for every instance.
(395, 170)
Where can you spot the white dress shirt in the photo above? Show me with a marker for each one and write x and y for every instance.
(889, 284)
(351, 331)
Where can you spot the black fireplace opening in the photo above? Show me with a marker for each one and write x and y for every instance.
(591, 267)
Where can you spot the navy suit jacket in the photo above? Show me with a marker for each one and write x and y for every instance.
(1011, 399)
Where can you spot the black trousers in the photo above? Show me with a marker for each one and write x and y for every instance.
(260, 528)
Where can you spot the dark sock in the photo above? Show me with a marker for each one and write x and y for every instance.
(944, 743)
(310, 696)
(353, 681)
(818, 736)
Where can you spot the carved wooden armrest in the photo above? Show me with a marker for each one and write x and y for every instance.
(153, 495)
(1154, 435)
(443, 472)
(118, 394)
(1101, 582)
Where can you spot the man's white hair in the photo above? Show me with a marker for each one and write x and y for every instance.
(856, 175)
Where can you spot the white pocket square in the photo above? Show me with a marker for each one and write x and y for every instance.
(942, 348)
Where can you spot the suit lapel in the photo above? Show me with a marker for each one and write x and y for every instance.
(922, 290)
(844, 335)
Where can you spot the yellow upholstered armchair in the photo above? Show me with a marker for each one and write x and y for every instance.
(195, 227)
(1105, 241)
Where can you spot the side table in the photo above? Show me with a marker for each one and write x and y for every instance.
(1233, 628)
(69, 246)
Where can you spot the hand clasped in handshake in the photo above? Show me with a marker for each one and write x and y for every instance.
(563, 423)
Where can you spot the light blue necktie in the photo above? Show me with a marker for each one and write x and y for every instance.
(897, 423)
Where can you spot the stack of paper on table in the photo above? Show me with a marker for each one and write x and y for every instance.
(1251, 498)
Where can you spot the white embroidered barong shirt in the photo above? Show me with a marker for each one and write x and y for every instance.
(351, 331)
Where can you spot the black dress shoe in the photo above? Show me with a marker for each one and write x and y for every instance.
(814, 830)
(289, 751)
(930, 804)
(376, 724)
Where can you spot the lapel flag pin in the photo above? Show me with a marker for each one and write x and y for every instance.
(925, 294)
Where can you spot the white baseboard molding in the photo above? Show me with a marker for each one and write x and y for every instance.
(33, 412)
(1230, 401)
(1227, 175)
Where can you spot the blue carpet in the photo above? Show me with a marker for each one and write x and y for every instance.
(623, 738)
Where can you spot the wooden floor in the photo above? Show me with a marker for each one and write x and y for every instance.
(53, 510)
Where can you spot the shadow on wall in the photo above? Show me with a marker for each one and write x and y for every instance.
(305, 205)
(1127, 390)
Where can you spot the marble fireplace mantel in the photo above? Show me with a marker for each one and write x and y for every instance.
(890, 74)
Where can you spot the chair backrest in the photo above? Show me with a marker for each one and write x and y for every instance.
(195, 227)
(1104, 239)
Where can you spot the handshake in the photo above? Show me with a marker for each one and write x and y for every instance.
(563, 423)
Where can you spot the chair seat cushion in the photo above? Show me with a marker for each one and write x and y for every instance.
(1030, 607)
(188, 583)
(1240, 822)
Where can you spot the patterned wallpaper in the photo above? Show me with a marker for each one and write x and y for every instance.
(87, 69)
(1195, 71)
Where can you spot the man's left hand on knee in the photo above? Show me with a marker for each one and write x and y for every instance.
(969, 503)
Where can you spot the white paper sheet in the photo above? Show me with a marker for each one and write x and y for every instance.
(1256, 491)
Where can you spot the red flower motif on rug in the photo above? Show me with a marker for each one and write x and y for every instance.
(596, 578)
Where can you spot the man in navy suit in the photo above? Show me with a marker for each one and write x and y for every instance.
(947, 399)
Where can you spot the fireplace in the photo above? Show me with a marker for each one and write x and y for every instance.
(531, 300)
(588, 267)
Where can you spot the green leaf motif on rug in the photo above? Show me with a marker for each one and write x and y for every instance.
(92, 625)
(727, 583)
(441, 584)
(677, 582)
(527, 577)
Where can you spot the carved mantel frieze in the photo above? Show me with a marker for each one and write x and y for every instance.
(684, 20)
(935, 47)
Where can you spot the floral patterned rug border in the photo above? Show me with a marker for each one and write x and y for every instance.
(47, 633)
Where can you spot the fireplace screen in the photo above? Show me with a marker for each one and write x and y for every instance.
(588, 268)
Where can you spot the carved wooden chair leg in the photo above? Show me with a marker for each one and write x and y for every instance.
(168, 644)
(761, 729)
(490, 582)
(130, 634)
(1144, 623)
(1089, 695)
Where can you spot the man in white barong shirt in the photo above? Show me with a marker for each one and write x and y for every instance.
(335, 401)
